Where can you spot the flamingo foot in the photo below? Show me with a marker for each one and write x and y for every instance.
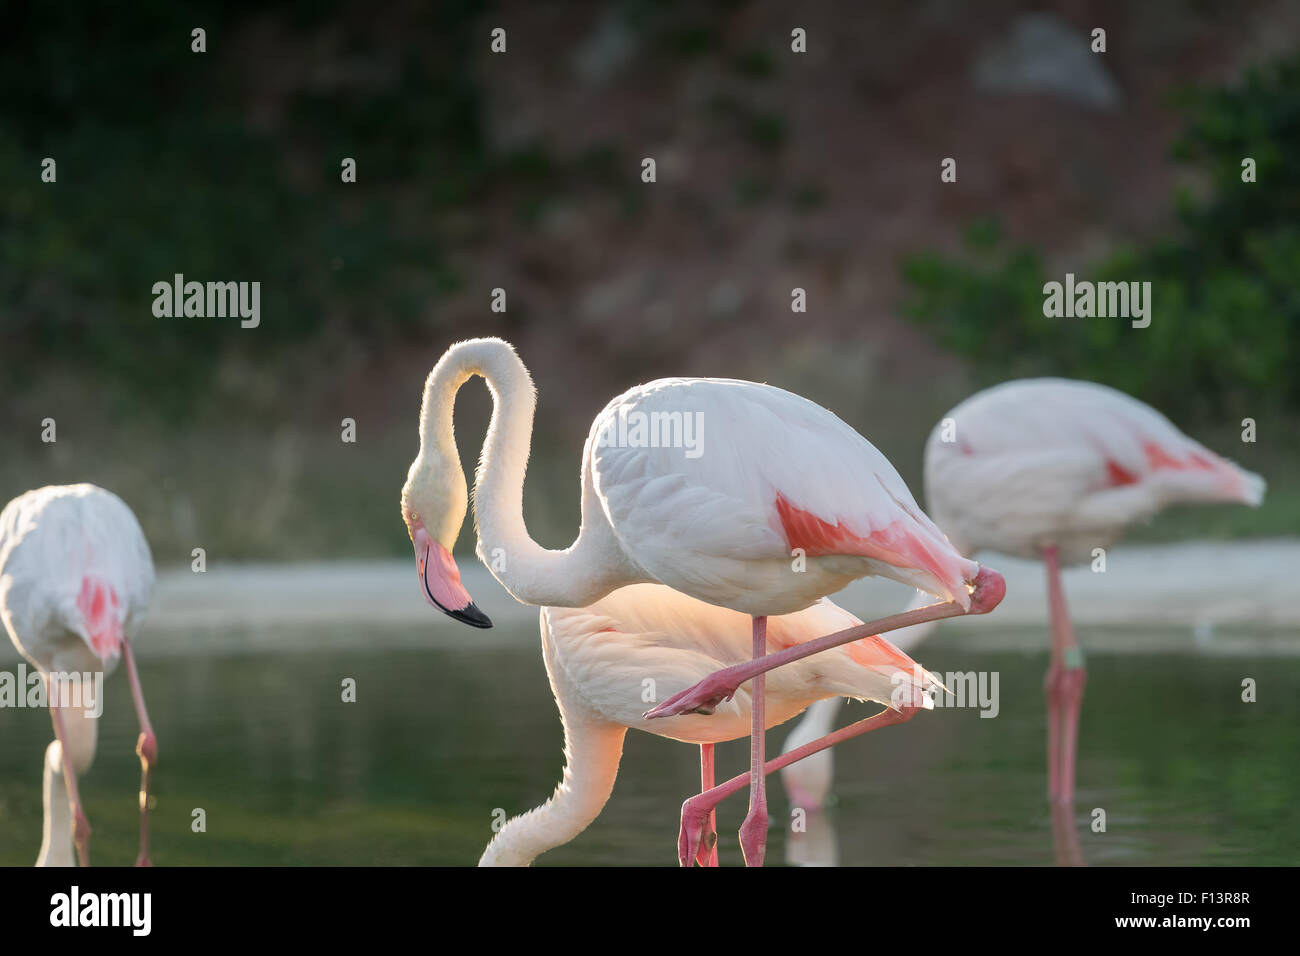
(146, 748)
(692, 838)
(711, 841)
(701, 698)
(704, 856)
(988, 590)
(753, 836)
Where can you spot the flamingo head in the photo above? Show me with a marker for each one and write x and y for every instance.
(434, 502)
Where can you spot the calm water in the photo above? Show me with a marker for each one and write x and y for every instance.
(439, 738)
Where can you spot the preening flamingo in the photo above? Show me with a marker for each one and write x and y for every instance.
(735, 493)
(602, 658)
(1051, 469)
(75, 581)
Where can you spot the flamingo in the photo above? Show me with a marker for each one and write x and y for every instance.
(602, 658)
(735, 493)
(1051, 469)
(75, 582)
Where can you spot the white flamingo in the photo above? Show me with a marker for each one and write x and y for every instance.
(602, 659)
(1051, 469)
(75, 581)
(738, 494)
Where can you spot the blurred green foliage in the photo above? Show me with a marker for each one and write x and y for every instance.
(224, 165)
(1225, 327)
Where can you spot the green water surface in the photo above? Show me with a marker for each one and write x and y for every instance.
(438, 739)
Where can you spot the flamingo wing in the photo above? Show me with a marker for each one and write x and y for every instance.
(618, 665)
(768, 472)
(645, 642)
(1021, 464)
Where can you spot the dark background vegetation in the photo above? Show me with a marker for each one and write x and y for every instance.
(522, 171)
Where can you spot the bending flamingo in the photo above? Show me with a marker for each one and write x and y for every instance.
(602, 658)
(734, 493)
(75, 581)
(1051, 469)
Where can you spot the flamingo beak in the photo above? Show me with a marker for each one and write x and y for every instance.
(440, 581)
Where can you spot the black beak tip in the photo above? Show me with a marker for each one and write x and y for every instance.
(471, 615)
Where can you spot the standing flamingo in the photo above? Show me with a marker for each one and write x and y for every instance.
(1052, 469)
(75, 581)
(601, 660)
(738, 494)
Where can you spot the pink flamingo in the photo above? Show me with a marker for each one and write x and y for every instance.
(737, 494)
(605, 659)
(1052, 469)
(75, 582)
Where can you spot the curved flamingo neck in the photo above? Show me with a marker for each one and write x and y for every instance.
(56, 841)
(499, 481)
(574, 577)
(592, 752)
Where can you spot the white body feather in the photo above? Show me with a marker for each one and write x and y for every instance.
(1051, 461)
(709, 525)
(51, 540)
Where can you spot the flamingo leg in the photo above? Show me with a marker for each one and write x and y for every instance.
(1052, 683)
(146, 748)
(708, 852)
(1065, 836)
(80, 825)
(695, 811)
(704, 696)
(753, 832)
(1063, 686)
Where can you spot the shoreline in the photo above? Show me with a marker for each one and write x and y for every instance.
(1164, 592)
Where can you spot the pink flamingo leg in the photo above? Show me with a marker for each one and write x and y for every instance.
(80, 825)
(753, 832)
(704, 696)
(1065, 836)
(146, 748)
(708, 852)
(696, 810)
(1064, 684)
